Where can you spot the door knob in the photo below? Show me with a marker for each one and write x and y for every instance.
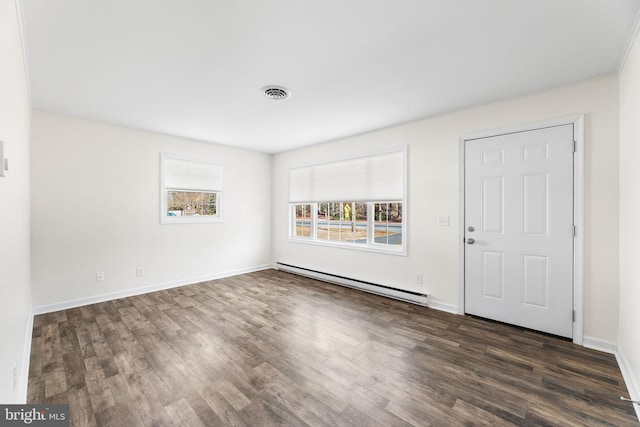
(471, 229)
(470, 241)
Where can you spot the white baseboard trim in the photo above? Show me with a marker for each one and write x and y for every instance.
(23, 375)
(443, 306)
(64, 305)
(629, 379)
(599, 344)
(623, 364)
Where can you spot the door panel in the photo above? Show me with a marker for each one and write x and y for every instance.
(535, 203)
(535, 280)
(493, 274)
(493, 204)
(519, 203)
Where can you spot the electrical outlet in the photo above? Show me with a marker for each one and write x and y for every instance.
(139, 271)
(419, 279)
(443, 221)
(100, 276)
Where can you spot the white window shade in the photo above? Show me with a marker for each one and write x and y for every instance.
(181, 174)
(376, 177)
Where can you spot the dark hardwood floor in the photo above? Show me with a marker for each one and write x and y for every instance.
(272, 348)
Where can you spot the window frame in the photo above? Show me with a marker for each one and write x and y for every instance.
(189, 219)
(371, 245)
(312, 221)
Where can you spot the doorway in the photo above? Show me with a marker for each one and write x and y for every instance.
(519, 229)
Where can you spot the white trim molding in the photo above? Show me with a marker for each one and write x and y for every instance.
(599, 344)
(64, 305)
(443, 306)
(629, 379)
(23, 374)
(25, 50)
(633, 35)
(625, 367)
(578, 209)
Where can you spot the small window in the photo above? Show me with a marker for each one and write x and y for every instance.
(191, 190)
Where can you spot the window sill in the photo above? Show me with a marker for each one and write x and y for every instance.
(381, 249)
(189, 220)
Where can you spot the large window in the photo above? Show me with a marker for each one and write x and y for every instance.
(191, 190)
(357, 203)
(348, 222)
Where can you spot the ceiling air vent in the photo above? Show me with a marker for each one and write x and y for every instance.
(275, 92)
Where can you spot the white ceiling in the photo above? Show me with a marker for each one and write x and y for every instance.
(194, 68)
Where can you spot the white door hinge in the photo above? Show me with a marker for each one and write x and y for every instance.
(575, 146)
(573, 315)
(573, 230)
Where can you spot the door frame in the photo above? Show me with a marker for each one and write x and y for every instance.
(578, 210)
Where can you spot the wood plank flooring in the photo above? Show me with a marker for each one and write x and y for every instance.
(272, 348)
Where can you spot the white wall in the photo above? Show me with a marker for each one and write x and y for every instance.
(96, 207)
(15, 290)
(434, 191)
(629, 336)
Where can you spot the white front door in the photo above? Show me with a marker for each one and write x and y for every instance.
(519, 229)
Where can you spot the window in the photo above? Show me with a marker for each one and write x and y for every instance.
(342, 221)
(191, 190)
(388, 223)
(188, 203)
(302, 226)
(357, 203)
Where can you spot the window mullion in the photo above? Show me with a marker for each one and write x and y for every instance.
(314, 221)
(370, 223)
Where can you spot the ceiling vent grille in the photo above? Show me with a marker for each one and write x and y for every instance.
(275, 92)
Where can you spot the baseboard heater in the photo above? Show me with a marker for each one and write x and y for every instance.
(374, 288)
